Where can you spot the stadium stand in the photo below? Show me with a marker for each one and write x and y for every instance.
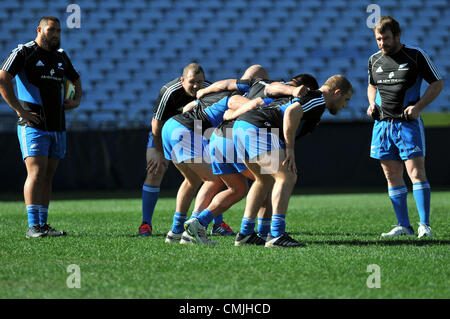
(125, 50)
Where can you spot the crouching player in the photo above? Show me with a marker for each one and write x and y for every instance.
(265, 138)
(233, 172)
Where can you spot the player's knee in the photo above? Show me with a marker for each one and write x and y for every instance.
(417, 174)
(238, 192)
(393, 173)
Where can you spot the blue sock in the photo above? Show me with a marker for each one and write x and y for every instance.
(194, 214)
(247, 226)
(150, 196)
(278, 226)
(218, 220)
(398, 196)
(33, 215)
(264, 226)
(205, 217)
(422, 195)
(178, 223)
(43, 214)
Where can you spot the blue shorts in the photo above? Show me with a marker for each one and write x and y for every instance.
(181, 144)
(251, 141)
(224, 159)
(150, 142)
(36, 142)
(397, 140)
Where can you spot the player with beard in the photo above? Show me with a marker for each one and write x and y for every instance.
(40, 68)
(398, 137)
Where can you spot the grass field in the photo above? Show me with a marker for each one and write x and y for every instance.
(341, 232)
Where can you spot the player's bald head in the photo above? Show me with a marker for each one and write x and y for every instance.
(195, 68)
(255, 71)
(339, 82)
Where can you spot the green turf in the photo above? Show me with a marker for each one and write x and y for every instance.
(436, 119)
(341, 233)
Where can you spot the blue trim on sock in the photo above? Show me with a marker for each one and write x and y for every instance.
(43, 215)
(278, 226)
(33, 215)
(178, 222)
(247, 226)
(194, 214)
(398, 196)
(264, 226)
(205, 217)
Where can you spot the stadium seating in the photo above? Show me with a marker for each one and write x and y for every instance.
(126, 50)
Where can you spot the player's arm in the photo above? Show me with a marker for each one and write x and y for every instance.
(157, 126)
(232, 114)
(371, 90)
(190, 106)
(431, 93)
(75, 102)
(433, 90)
(279, 89)
(7, 92)
(219, 86)
(371, 95)
(291, 119)
(156, 160)
(429, 72)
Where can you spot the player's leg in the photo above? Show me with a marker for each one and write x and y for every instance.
(281, 193)
(398, 192)
(412, 138)
(56, 152)
(265, 217)
(285, 181)
(36, 167)
(256, 196)
(421, 191)
(34, 145)
(386, 146)
(185, 195)
(212, 184)
(236, 189)
(150, 190)
(52, 165)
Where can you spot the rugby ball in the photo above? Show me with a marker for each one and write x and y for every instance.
(68, 90)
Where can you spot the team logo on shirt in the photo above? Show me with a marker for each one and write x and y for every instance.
(402, 67)
(52, 72)
(391, 75)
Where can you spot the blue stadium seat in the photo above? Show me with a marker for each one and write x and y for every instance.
(135, 46)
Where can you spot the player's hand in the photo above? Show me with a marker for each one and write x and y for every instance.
(200, 93)
(289, 161)
(228, 115)
(70, 104)
(156, 163)
(370, 110)
(29, 117)
(412, 112)
(300, 91)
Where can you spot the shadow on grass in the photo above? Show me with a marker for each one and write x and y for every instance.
(414, 241)
(384, 242)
